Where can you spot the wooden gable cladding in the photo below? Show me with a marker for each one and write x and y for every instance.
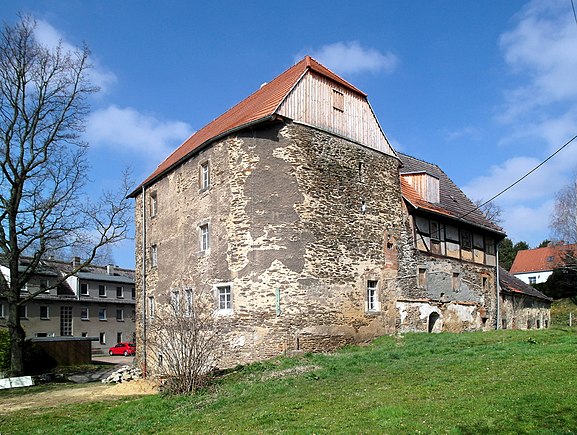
(321, 102)
(426, 185)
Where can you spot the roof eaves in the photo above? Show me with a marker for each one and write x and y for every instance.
(187, 156)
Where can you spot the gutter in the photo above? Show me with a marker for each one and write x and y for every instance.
(143, 237)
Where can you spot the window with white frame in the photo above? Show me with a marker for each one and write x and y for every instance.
(102, 314)
(372, 300)
(23, 311)
(151, 307)
(119, 292)
(44, 312)
(83, 313)
(2, 315)
(532, 280)
(118, 337)
(84, 289)
(120, 315)
(204, 238)
(224, 294)
(153, 255)
(133, 292)
(102, 338)
(189, 301)
(204, 176)
(102, 290)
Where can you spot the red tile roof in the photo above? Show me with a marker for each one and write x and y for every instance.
(453, 202)
(258, 107)
(541, 259)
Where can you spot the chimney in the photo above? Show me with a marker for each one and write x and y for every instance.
(76, 262)
(110, 269)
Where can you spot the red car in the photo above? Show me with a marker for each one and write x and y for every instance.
(123, 349)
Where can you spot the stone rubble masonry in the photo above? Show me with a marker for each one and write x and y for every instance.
(292, 210)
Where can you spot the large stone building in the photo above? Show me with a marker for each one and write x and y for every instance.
(294, 213)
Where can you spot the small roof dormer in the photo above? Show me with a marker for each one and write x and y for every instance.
(425, 184)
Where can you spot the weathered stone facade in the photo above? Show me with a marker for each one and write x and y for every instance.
(292, 210)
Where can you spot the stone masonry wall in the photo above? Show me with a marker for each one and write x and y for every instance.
(294, 213)
(460, 295)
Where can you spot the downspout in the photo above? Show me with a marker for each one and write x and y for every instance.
(143, 253)
(498, 286)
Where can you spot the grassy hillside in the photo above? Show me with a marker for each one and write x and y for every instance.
(560, 312)
(494, 382)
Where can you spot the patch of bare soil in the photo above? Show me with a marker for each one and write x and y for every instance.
(76, 394)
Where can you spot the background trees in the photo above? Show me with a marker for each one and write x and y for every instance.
(564, 218)
(43, 168)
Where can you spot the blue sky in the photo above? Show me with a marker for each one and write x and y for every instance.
(485, 89)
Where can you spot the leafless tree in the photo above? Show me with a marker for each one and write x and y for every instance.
(184, 338)
(492, 211)
(564, 218)
(43, 168)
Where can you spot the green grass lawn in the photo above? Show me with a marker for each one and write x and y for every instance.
(474, 383)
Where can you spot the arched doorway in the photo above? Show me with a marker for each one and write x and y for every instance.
(433, 317)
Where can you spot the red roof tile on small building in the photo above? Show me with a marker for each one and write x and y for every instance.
(541, 259)
(258, 107)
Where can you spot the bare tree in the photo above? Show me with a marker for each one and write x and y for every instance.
(492, 211)
(43, 167)
(564, 218)
(184, 337)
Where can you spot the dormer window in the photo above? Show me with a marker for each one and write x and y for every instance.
(338, 101)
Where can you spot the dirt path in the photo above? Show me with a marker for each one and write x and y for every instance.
(75, 394)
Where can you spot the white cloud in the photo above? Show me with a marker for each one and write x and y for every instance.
(351, 58)
(528, 223)
(132, 131)
(541, 48)
(48, 36)
(465, 132)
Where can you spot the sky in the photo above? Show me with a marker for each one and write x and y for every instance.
(484, 89)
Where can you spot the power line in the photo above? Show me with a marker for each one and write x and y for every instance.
(523, 177)
(574, 13)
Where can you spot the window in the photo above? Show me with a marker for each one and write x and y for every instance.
(2, 315)
(204, 176)
(435, 231)
(189, 301)
(175, 300)
(489, 246)
(532, 280)
(41, 334)
(84, 334)
(456, 282)
(372, 303)
(44, 284)
(422, 277)
(120, 315)
(102, 314)
(224, 298)
(153, 204)
(84, 289)
(133, 293)
(102, 291)
(119, 292)
(66, 321)
(204, 238)
(153, 256)
(485, 283)
(151, 307)
(466, 239)
(102, 338)
(23, 311)
(84, 313)
(338, 101)
(44, 313)
(118, 337)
